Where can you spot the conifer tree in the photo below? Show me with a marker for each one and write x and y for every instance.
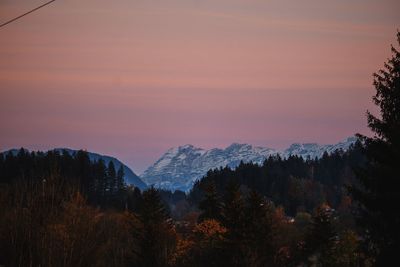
(233, 210)
(100, 170)
(120, 179)
(258, 230)
(83, 168)
(157, 234)
(320, 239)
(152, 209)
(233, 219)
(2, 179)
(111, 178)
(210, 205)
(379, 193)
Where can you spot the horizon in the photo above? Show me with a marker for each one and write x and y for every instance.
(134, 78)
(140, 172)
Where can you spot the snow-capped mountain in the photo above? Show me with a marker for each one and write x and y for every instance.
(130, 177)
(180, 167)
(314, 150)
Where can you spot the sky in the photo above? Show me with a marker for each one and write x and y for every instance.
(132, 78)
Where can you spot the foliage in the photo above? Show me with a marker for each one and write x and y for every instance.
(211, 204)
(294, 183)
(44, 227)
(156, 233)
(378, 193)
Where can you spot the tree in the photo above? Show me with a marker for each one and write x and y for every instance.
(234, 220)
(120, 179)
(100, 173)
(210, 205)
(258, 231)
(111, 179)
(209, 238)
(83, 167)
(233, 210)
(379, 194)
(321, 237)
(346, 251)
(157, 236)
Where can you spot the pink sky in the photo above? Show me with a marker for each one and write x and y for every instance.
(133, 78)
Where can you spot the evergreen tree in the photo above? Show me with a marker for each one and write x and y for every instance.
(379, 193)
(100, 171)
(210, 205)
(258, 231)
(157, 235)
(111, 179)
(133, 198)
(234, 220)
(2, 161)
(321, 237)
(83, 168)
(120, 179)
(233, 210)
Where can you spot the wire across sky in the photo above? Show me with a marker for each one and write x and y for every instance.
(23, 15)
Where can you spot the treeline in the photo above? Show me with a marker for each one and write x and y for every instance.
(100, 184)
(58, 209)
(237, 229)
(297, 184)
(287, 212)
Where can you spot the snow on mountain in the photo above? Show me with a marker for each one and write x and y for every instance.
(177, 163)
(313, 150)
(180, 167)
(130, 177)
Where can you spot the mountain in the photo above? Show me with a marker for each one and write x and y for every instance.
(314, 150)
(130, 177)
(180, 167)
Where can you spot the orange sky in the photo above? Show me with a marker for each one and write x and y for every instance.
(133, 78)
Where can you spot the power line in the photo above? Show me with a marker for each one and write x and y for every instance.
(33, 10)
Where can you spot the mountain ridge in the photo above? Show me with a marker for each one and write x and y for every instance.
(179, 167)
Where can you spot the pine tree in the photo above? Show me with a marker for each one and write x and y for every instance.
(233, 219)
(2, 161)
(111, 178)
(210, 205)
(83, 168)
(258, 230)
(379, 193)
(233, 210)
(120, 179)
(157, 234)
(100, 170)
(152, 209)
(321, 237)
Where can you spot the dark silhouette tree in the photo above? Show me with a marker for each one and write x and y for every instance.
(111, 179)
(234, 220)
(258, 233)
(233, 210)
(120, 179)
(157, 238)
(100, 171)
(321, 237)
(83, 162)
(211, 204)
(379, 193)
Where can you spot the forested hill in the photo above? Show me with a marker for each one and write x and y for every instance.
(101, 181)
(130, 177)
(295, 183)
